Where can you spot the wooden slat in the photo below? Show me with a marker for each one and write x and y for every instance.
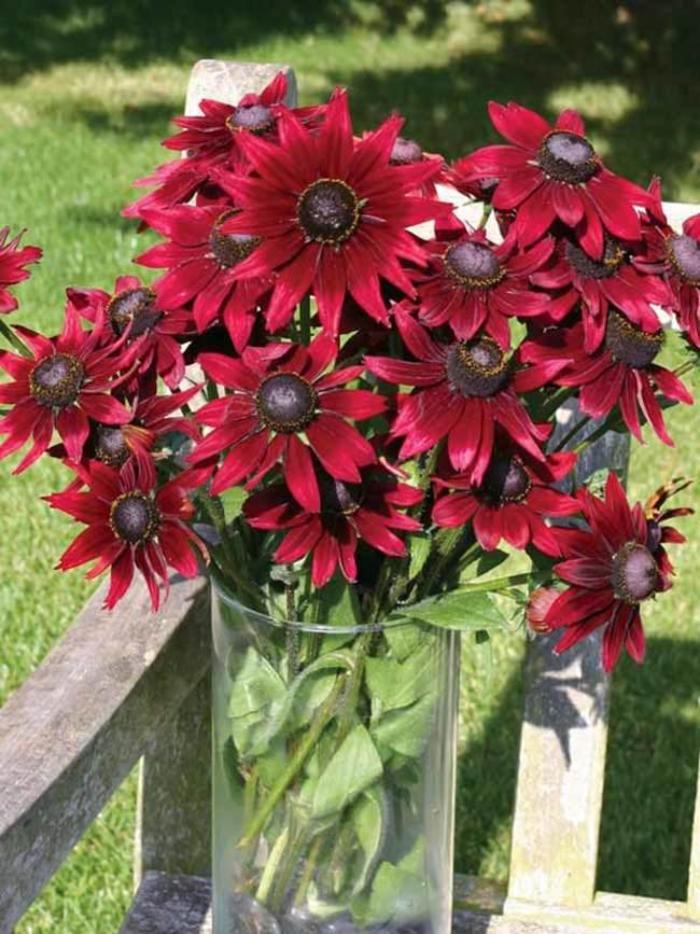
(181, 905)
(561, 766)
(694, 870)
(72, 732)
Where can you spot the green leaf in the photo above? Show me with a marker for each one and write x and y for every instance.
(11, 338)
(354, 767)
(398, 684)
(369, 817)
(303, 697)
(256, 694)
(338, 604)
(396, 895)
(419, 549)
(404, 639)
(406, 730)
(232, 500)
(459, 609)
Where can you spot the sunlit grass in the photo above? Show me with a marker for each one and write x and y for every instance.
(78, 126)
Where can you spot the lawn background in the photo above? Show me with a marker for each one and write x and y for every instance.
(86, 91)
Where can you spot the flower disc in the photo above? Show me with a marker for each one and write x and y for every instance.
(567, 157)
(286, 402)
(110, 446)
(230, 249)
(473, 265)
(684, 254)
(634, 573)
(630, 344)
(477, 368)
(613, 257)
(134, 517)
(57, 380)
(328, 211)
(133, 305)
(256, 118)
(505, 481)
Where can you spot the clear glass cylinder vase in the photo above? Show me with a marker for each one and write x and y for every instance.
(334, 773)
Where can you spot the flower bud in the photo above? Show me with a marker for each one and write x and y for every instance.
(538, 605)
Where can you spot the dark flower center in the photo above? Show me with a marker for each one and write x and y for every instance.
(328, 211)
(473, 265)
(230, 249)
(135, 305)
(630, 344)
(110, 446)
(477, 368)
(634, 573)
(405, 152)
(256, 118)
(57, 380)
(684, 255)
(505, 481)
(286, 402)
(613, 258)
(134, 517)
(567, 157)
(339, 498)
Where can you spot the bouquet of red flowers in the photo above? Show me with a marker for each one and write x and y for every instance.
(360, 383)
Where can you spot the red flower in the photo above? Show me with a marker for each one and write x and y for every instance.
(201, 263)
(510, 502)
(212, 140)
(598, 285)
(332, 213)
(464, 391)
(408, 152)
(13, 263)
(151, 419)
(369, 511)
(473, 284)
(65, 382)
(134, 306)
(553, 172)
(281, 408)
(677, 258)
(611, 571)
(128, 527)
(621, 372)
(538, 604)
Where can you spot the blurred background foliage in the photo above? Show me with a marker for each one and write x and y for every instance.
(86, 92)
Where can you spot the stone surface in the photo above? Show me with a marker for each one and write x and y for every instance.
(73, 731)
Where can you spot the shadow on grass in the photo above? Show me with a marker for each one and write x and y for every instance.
(650, 781)
(643, 52)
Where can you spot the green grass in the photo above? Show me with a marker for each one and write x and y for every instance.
(86, 92)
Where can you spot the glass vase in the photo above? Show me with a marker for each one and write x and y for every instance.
(334, 772)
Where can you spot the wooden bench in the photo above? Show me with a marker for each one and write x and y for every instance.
(130, 686)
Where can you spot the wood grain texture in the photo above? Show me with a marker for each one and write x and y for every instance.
(76, 727)
(181, 905)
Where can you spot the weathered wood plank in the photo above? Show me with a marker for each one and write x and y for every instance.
(173, 831)
(694, 870)
(72, 732)
(181, 905)
(561, 766)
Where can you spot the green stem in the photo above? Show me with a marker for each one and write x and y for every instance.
(305, 320)
(287, 776)
(309, 870)
(349, 705)
(501, 583)
(12, 338)
(611, 424)
(268, 877)
(445, 556)
(557, 400)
